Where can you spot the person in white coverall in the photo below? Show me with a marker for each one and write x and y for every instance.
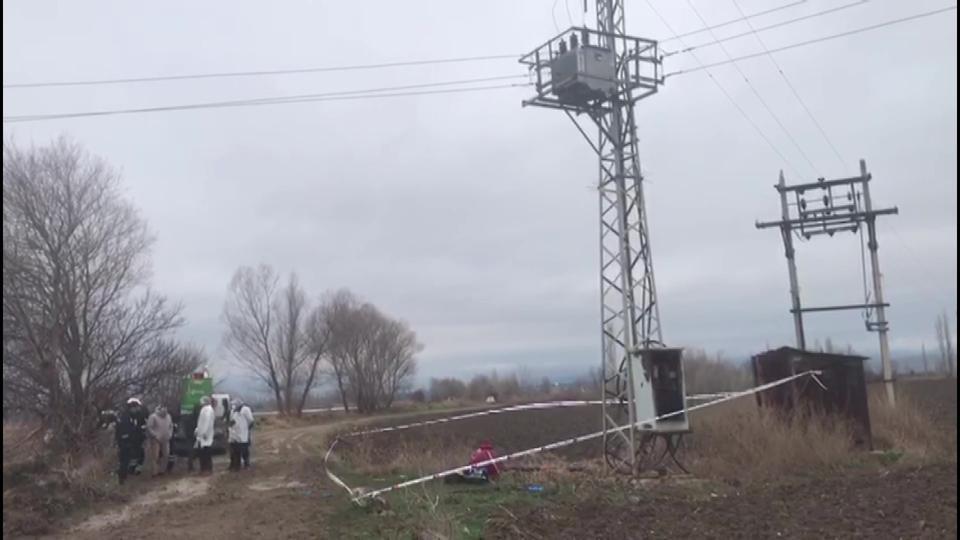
(240, 423)
(204, 435)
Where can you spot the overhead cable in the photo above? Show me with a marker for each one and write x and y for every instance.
(701, 66)
(372, 93)
(756, 93)
(768, 27)
(677, 37)
(727, 94)
(260, 73)
(793, 89)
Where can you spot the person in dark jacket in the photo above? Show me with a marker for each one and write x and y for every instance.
(129, 438)
(139, 414)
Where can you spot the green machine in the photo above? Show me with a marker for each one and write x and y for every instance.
(195, 387)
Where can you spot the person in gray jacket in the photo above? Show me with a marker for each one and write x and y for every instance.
(159, 433)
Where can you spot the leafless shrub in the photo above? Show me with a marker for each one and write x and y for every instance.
(705, 374)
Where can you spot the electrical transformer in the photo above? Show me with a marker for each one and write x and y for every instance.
(582, 74)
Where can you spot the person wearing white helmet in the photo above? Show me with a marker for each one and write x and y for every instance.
(129, 438)
(139, 414)
(240, 423)
(204, 435)
(247, 413)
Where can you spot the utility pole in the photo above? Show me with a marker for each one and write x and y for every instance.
(786, 231)
(880, 325)
(600, 74)
(923, 353)
(826, 207)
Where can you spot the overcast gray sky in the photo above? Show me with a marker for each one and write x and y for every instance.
(474, 219)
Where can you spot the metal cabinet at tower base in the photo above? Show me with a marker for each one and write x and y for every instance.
(843, 376)
(659, 394)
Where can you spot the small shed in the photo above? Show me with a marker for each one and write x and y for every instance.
(842, 374)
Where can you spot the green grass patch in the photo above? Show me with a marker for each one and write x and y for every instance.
(437, 509)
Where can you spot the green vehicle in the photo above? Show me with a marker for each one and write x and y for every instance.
(196, 386)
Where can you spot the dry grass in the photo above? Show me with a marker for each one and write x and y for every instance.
(733, 441)
(740, 441)
(431, 519)
(908, 429)
(368, 455)
(40, 488)
(20, 441)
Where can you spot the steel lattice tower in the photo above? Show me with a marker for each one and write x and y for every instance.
(604, 83)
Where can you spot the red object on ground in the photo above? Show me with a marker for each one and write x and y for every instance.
(483, 453)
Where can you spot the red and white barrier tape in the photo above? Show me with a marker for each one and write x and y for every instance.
(357, 497)
(512, 408)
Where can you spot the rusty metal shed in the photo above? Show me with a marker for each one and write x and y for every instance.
(842, 374)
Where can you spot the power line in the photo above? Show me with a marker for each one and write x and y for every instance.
(757, 93)
(256, 103)
(768, 27)
(261, 73)
(553, 15)
(725, 92)
(793, 89)
(703, 66)
(677, 37)
(303, 98)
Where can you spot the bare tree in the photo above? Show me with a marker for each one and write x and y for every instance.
(167, 388)
(290, 341)
(448, 388)
(272, 331)
(945, 343)
(249, 317)
(480, 387)
(395, 345)
(80, 325)
(703, 374)
(318, 337)
(546, 386)
(342, 339)
(371, 356)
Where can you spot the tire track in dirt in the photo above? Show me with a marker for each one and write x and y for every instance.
(283, 495)
(178, 491)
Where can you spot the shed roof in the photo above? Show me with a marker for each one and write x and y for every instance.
(791, 351)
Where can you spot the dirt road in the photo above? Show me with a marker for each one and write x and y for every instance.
(280, 496)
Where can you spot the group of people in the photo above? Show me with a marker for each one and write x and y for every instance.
(147, 440)
(143, 439)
